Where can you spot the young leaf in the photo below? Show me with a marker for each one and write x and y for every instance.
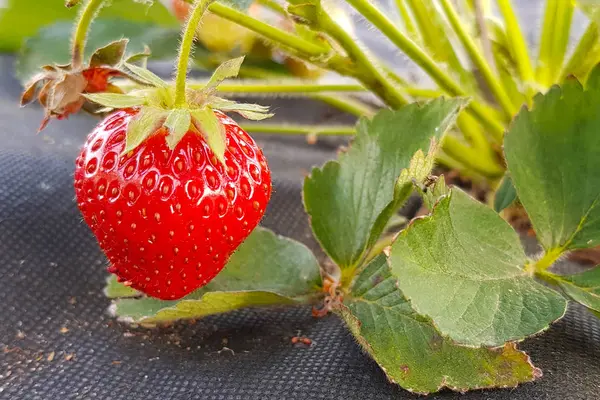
(265, 270)
(409, 349)
(146, 76)
(464, 268)
(552, 156)
(344, 198)
(505, 195)
(584, 288)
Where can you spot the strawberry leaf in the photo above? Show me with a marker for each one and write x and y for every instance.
(410, 350)
(505, 195)
(351, 199)
(207, 123)
(584, 288)
(111, 54)
(266, 270)
(178, 123)
(473, 285)
(562, 203)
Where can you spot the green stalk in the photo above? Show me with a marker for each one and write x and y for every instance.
(346, 104)
(554, 40)
(479, 160)
(479, 61)
(409, 24)
(82, 28)
(293, 129)
(187, 41)
(371, 75)
(283, 86)
(273, 5)
(415, 53)
(581, 55)
(516, 41)
(277, 35)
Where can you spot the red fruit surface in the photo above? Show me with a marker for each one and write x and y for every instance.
(168, 220)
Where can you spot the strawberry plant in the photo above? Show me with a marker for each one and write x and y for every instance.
(173, 190)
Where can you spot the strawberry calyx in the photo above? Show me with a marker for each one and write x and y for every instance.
(158, 108)
(59, 88)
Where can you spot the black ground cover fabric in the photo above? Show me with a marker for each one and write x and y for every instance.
(57, 341)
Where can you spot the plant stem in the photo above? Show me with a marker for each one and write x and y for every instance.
(371, 75)
(554, 39)
(548, 259)
(277, 35)
(484, 35)
(187, 41)
(516, 41)
(479, 61)
(581, 54)
(282, 86)
(86, 17)
(293, 129)
(273, 5)
(411, 29)
(346, 104)
(479, 160)
(415, 53)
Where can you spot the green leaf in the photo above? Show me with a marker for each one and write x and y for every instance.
(207, 123)
(178, 123)
(50, 44)
(505, 195)
(584, 288)
(20, 19)
(345, 198)
(267, 269)
(111, 54)
(552, 156)
(115, 100)
(145, 123)
(463, 266)
(409, 349)
(146, 75)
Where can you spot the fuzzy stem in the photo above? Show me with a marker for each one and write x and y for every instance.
(284, 86)
(516, 41)
(346, 104)
(277, 35)
(478, 160)
(548, 259)
(415, 53)
(292, 129)
(484, 35)
(86, 17)
(582, 52)
(479, 61)
(187, 42)
(409, 24)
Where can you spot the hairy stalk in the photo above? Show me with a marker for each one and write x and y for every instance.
(371, 74)
(479, 61)
(347, 104)
(547, 260)
(579, 59)
(293, 129)
(185, 49)
(481, 161)
(516, 41)
(414, 52)
(409, 24)
(82, 28)
(484, 35)
(554, 40)
(281, 86)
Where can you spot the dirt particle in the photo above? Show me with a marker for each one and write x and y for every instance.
(69, 356)
(64, 330)
(50, 356)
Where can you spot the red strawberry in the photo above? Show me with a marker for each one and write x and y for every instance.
(169, 218)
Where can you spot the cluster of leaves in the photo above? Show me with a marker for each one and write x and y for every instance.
(447, 299)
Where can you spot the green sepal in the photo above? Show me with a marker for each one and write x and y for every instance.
(254, 112)
(207, 123)
(147, 122)
(178, 123)
(115, 100)
(229, 69)
(145, 75)
(111, 54)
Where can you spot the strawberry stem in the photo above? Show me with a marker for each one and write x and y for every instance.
(187, 42)
(82, 28)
